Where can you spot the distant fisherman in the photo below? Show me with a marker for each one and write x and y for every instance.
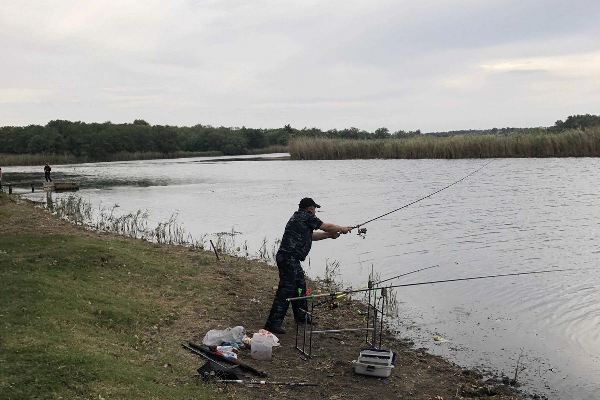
(295, 246)
(47, 170)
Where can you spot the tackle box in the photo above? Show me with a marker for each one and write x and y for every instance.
(375, 362)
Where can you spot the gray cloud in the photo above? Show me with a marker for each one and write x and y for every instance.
(402, 64)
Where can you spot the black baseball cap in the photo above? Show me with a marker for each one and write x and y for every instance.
(308, 202)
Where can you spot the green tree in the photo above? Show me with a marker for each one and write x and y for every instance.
(38, 144)
(381, 133)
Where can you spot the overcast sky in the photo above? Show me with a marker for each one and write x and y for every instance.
(418, 64)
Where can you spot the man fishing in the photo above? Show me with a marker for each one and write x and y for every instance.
(295, 246)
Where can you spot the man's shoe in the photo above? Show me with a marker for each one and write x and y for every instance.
(275, 329)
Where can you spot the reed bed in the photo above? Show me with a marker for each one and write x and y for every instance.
(40, 159)
(575, 143)
(269, 150)
(37, 159)
(135, 224)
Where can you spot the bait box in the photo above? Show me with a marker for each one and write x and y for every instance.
(375, 362)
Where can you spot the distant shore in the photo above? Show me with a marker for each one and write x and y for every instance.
(67, 142)
(53, 159)
(573, 143)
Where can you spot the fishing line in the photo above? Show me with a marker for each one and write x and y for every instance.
(428, 283)
(363, 231)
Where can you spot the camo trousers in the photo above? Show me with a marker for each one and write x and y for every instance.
(291, 283)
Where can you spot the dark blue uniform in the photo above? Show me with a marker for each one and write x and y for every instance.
(295, 246)
(47, 170)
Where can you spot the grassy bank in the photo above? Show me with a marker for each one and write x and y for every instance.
(86, 315)
(90, 316)
(565, 144)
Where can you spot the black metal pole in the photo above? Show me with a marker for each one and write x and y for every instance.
(214, 249)
(383, 301)
(312, 320)
(374, 338)
(368, 310)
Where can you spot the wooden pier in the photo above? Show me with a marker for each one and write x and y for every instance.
(54, 186)
(61, 186)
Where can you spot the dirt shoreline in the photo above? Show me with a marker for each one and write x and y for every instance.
(240, 293)
(417, 374)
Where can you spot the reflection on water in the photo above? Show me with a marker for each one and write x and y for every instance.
(514, 215)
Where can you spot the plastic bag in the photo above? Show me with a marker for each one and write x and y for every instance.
(229, 352)
(269, 335)
(215, 337)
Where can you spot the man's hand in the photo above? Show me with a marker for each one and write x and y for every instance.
(345, 229)
(332, 228)
(334, 235)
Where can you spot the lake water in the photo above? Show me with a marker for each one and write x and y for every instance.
(514, 215)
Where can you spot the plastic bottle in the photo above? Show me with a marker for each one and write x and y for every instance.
(261, 347)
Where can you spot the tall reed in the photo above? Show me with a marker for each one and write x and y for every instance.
(135, 224)
(40, 159)
(575, 143)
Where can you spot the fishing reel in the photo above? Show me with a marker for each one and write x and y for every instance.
(362, 232)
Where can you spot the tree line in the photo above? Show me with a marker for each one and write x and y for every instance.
(101, 141)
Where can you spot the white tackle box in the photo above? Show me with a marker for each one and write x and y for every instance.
(375, 362)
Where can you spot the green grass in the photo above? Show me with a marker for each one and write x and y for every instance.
(80, 317)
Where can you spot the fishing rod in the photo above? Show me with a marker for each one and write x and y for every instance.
(425, 283)
(339, 296)
(404, 274)
(364, 230)
(255, 382)
(212, 355)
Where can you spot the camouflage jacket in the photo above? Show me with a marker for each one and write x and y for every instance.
(297, 237)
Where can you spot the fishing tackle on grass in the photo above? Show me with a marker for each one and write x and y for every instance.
(255, 382)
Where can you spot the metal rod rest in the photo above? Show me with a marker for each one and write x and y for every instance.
(342, 330)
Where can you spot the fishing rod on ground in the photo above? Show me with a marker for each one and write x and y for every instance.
(255, 382)
(363, 231)
(383, 288)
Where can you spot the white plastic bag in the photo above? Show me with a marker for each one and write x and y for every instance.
(215, 337)
(270, 335)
